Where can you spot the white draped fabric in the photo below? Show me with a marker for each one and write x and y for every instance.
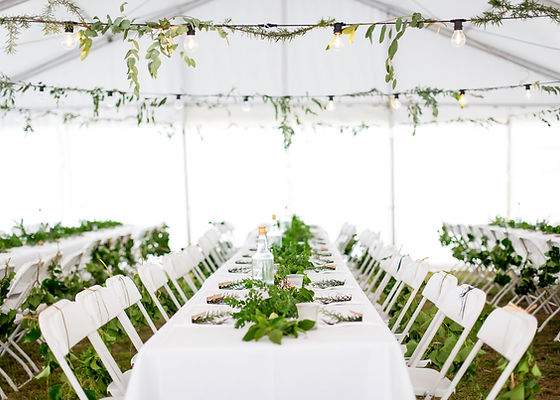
(358, 360)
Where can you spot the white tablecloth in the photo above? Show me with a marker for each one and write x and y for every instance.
(360, 360)
(18, 256)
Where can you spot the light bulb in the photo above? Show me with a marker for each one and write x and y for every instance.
(178, 105)
(330, 104)
(110, 100)
(396, 102)
(528, 93)
(337, 43)
(246, 105)
(462, 99)
(69, 39)
(458, 39)
(42, 92)
(190, 44)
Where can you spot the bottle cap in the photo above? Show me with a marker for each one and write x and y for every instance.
(262, 230)
(274, 216)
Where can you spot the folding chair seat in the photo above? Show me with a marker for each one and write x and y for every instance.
(154, 279)
(63, 325)
(509, 331)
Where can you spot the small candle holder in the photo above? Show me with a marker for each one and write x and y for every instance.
(308, 311)
(296, 280)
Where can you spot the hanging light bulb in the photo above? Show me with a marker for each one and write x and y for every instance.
(190, 44)
(462, 99)
(246, 105)
(337, 43)
(69, 39)
(178, 105)
(330, 104)
(396, 103)
(110, 100)
(42, 93)
(528, 93)
(458, 39)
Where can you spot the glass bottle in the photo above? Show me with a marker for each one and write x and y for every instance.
(274, 235)
(263, 260)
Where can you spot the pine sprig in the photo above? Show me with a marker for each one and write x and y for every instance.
(334, 317)
(212, 317)
(328, 283)
(335, 298)
(505, 9)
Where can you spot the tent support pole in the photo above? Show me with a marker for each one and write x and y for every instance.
(392, 172)
(185, 166)
(508, 170)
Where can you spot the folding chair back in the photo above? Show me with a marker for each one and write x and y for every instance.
(177, 266)
(103, 305)
(129, 295)
(27, 276)
(153, 278)
(412, 275)
(63, 325)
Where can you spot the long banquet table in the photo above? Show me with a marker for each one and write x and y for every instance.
(18, 256)
(352, 360)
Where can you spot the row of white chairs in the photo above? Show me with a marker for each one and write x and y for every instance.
(31, 274)
(508, 330)
(531, 246)
(66, 323)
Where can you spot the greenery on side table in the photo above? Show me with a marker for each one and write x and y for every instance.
(49, 233)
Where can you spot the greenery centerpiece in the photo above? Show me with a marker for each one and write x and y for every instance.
(270, 310)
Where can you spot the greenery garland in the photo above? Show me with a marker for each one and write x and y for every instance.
(163, 33)
(289, 110)
(45, 232)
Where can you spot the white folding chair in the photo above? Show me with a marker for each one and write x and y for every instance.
(177, 266)
(103, 305)
(412, 276)
(437, 286)
(129, 295)
(63, 325)
(198, 259)
(463, 305)
(154, 279)
(509, 331)
(210, 260)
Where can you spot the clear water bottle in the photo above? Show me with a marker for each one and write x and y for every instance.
(274, 235)
(263, 260)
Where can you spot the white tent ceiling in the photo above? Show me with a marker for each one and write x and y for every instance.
(517, 52)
